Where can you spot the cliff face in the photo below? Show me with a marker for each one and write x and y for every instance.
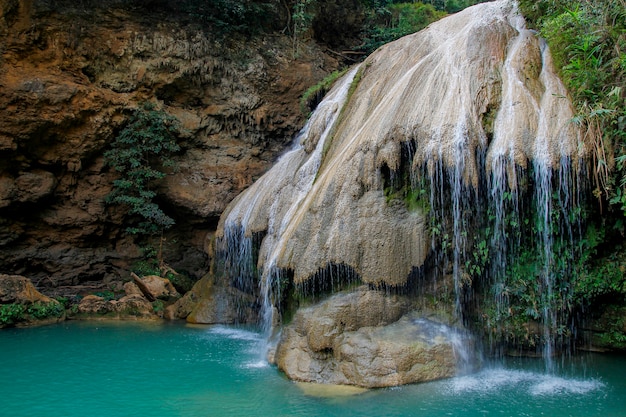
(69, 76)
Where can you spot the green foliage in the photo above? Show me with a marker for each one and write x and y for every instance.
(11, 313)
(476, 265)
(416, 199)
(231, 16)
(181, 281)
(598, 276)
(301, 21)
(314, 94)
(152, 266)
(588, 42)
(107, 295)
(613, 339)
(388, 20)
(64, 301)
(158, 306)
(392, 21)
(45, 310)
(302, 16)
(145, 267)
(140, 153)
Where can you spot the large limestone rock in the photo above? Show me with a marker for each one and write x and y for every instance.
(365, 339)
(443, 111)
(20, 290)
(132, 306)
(154, 287)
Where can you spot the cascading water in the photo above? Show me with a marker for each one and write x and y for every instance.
(453, 155)
(236, 243)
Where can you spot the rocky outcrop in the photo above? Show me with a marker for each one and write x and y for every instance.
(146, 297)
(132, 306)
(430, 117)
(208, 303)
(69, 76)
(19, 289)
(154, 287)
(365, 338)
(428, 161)
(22, 305)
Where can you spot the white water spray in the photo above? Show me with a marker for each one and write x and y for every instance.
(287, 183)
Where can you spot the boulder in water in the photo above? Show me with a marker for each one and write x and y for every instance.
(365, 339)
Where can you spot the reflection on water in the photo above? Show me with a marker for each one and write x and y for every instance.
(102, 369)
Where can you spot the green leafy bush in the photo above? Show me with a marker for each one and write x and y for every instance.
(11, 313)
(107, 295)
(45, 310)
(395, 20)
(140, 153)
(588, 42)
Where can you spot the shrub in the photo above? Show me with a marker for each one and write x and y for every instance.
(394, 21)
(589, 47)
(45, 310)
(11, 313)
(140, 153)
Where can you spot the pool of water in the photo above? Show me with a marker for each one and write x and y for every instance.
(147, 369)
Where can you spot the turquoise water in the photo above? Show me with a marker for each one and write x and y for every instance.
(147, 369)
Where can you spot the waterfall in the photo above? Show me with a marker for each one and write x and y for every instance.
(453, 155)
(286, 185)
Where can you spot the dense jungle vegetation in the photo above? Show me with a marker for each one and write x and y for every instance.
(588, 43)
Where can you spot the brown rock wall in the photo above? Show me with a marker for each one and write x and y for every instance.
(68, 77)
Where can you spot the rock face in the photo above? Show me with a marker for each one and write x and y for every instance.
(462, 105)
(18, 289)
(69, 76)
(132, 306)
(22, 305)
(365, 338)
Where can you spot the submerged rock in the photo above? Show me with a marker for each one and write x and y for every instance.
(365, 339)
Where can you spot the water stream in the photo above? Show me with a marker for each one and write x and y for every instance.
(295, 173)
(141, 369)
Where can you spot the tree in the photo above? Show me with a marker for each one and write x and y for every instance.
(140, 153)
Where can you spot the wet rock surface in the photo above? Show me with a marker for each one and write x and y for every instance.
(368, 339)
